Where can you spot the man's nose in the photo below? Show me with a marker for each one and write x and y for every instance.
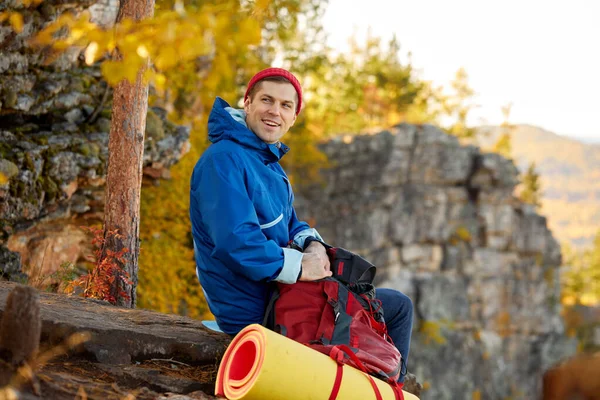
(274, 109)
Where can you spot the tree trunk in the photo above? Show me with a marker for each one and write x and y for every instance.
(124, 174)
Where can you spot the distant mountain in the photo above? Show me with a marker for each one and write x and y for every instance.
(570, 172)
(587, 140)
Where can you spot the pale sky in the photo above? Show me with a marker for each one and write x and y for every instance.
(543, 56)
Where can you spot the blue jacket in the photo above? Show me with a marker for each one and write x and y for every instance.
(242, 220)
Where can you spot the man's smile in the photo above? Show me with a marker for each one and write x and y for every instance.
(270, 122)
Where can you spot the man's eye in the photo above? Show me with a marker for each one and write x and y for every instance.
(266, 100)
(286, 105)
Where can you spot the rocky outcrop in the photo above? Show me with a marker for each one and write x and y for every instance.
(54, 128)
(441, 223)
(106, 352)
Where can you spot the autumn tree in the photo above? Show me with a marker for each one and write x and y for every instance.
(581, 280)
(531, 190)
(458, 105)
(124, 172)
(368, 88)
(503, 145)
(593, 260)
(574, 281)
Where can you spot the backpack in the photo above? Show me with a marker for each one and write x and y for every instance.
(340, 317)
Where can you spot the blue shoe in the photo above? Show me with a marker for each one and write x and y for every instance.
(212, 325)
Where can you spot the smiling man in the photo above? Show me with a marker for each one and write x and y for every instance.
(245, 229)
(241, 205)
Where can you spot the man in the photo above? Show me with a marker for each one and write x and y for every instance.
(242, 214)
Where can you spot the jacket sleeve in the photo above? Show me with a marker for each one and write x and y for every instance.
(228, 216)
(300, 231)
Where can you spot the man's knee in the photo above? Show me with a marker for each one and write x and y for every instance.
(405, 303)
(396, 300)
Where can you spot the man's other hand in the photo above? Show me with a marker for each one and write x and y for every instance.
(315, 263)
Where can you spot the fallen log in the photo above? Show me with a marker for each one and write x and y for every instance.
(120, 335)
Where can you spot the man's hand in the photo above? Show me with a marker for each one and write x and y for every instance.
(315, 263)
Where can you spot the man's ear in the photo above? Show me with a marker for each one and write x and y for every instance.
(246, 105)
(294, 120)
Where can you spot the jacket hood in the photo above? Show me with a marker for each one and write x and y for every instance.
(222, 126)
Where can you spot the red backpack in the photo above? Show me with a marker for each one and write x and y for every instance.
(340, 319)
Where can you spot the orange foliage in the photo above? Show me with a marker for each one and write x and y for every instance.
(98, 282)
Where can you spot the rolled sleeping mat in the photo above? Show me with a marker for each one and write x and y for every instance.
(260, 364)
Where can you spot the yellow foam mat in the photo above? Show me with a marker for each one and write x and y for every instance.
(260, 364)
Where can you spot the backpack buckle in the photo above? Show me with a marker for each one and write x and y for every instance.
(336, 308)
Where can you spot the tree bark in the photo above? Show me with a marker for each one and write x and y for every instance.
(124, 173)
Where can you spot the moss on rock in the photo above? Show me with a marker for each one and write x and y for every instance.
(10, 98)
(49, 186)
(6, 151)
(89, 149)
(154, 126)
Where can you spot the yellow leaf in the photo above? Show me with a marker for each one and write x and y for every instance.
(16, 20)
(160, 80)
(190, 49)
(262, 5)
(112, 72)
(142, 51)
(3, 179)
(44, 37)
(250, 31)
(76, 33)
(61, 45)
(167, 58)
(90, 53)
(27, 3)
(463, 234)
(131, 67)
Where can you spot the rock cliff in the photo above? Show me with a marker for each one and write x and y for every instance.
(440, 222)
(54, 128)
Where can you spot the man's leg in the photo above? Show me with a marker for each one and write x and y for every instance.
(398, 314)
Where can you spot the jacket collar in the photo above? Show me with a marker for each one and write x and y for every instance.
(223, 126)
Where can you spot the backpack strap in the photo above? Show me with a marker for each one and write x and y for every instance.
(339, 352)
(397, 388)
(338, 381)
(269, 317)
(337, 297)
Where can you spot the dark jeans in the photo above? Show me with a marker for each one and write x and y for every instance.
(398, 314)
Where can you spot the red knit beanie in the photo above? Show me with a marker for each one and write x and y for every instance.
(265, 73)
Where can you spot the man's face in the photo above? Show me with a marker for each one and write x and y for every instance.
(272, 110)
